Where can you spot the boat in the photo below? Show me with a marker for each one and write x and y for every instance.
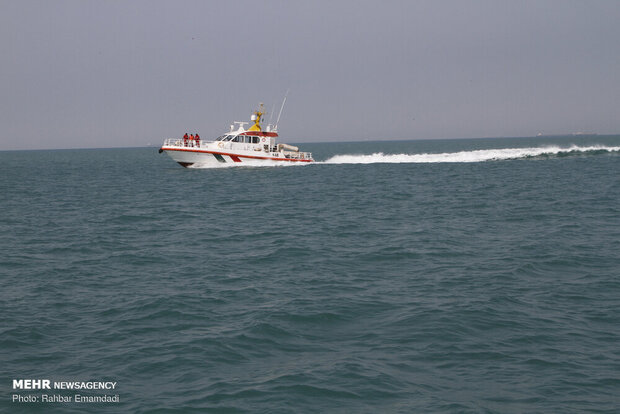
(254, 146)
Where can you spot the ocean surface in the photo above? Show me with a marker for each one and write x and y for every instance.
(449, 276)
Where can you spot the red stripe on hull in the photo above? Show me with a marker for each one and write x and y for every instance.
(260, 133)
(235, 155)
(235, 158)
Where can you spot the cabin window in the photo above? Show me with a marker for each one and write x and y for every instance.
(255, 140)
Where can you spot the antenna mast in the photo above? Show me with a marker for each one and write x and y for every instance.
(281, 108)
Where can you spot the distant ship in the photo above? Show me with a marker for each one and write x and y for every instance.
(237, 146)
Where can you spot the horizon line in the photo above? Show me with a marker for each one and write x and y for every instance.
(569, 135)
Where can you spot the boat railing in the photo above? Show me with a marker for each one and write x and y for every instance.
(180, 142)
(298, 155)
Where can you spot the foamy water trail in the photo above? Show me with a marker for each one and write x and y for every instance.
(466, 156)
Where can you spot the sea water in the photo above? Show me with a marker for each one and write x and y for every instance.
(395, 277)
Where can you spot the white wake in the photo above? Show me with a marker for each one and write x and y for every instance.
(466, 156)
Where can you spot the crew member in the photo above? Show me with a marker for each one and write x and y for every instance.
(185, 138)
(197, 137)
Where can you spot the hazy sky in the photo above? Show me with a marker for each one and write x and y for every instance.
(81, 73)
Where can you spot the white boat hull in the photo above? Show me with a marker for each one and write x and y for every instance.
(188, 157)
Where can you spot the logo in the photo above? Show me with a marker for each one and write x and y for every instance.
(31, 384)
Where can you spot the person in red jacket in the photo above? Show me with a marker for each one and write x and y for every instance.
(185, 138)
(197, 138)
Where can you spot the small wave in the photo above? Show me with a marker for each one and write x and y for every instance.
(469, 156)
